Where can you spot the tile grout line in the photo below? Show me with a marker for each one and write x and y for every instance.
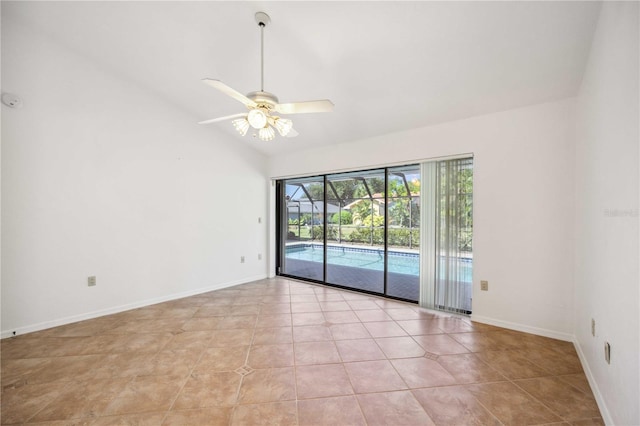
(295, 364)
(246, 364)
(188, 376)
(67, 385)
(537, 400)
(483, 406)
(541, 402)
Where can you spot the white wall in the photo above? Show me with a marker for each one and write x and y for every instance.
(606, 265)
(523, 204)
(100, 177)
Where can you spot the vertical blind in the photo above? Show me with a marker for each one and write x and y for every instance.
(446, 283)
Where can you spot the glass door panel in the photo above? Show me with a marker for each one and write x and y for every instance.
(302, 228)
(403, 232)
(355, 232)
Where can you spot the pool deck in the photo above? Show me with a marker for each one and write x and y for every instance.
(403, 286)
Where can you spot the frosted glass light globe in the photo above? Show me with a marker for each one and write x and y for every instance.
(266, 133)
(257, 118)
(241, 125)
(283, 126)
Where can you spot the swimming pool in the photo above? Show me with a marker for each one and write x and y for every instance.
(373, 259)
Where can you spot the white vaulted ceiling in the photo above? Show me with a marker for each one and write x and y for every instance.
(387, 66)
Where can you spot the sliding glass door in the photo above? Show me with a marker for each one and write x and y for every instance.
(403, 232)
(358, 230)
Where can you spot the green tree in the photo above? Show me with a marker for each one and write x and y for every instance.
(305, 219)
(456, 206)
(344, 189)
(399, 212)
(361, 210)
(376, 220)
(316, 190)
(344, 218)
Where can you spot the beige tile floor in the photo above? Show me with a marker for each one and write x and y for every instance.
(284, 352)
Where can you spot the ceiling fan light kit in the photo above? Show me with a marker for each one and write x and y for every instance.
(283, 125)
(241, 125)
(262, 104)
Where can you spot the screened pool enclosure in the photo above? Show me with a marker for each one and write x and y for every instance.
(362, 230)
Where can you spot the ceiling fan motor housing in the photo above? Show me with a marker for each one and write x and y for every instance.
(269, 100)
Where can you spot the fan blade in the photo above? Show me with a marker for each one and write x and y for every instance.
(292, 133)
(324, 105)
(228, 117)
(217, 84)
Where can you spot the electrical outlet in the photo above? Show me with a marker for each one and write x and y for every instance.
(259, 256)
(607, 352)
(241, 259)
(259, 220)
(91, 281)
(484, 285)
(593, 327)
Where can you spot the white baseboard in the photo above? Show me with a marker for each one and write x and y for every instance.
(116, 309)
(524, 328)
(602, 406)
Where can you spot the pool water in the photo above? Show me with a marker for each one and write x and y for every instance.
(401, 263)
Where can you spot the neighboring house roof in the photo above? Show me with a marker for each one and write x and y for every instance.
(377, 199)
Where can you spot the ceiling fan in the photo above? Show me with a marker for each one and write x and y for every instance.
(263, 105)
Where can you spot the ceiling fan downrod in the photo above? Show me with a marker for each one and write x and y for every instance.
(262, 19)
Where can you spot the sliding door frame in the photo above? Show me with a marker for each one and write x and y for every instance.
(281, 208)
